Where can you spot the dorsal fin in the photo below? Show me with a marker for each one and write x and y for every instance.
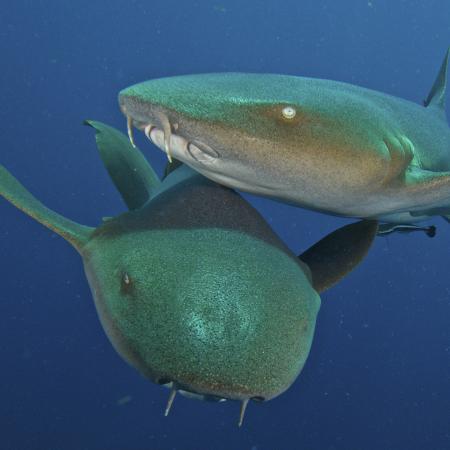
(18, 195)
(338, 253)
(130, 172)
(436, 97)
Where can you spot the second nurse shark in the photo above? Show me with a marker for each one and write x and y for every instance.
(321, 144)
(192, 286)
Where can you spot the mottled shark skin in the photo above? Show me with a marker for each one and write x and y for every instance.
(321, 144)
(191, 285)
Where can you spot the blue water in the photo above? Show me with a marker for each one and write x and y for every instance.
(378, 376)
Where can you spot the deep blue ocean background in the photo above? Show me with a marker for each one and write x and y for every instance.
(378, 376)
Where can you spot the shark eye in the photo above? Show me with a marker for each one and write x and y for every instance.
(126, 282)
(288, 112)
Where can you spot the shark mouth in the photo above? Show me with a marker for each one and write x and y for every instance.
(198, 155)
(171, 143)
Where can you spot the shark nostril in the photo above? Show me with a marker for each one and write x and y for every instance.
(147, 131)
(157, 137)
(202, 153)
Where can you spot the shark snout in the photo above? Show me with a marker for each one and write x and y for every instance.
(162, 128)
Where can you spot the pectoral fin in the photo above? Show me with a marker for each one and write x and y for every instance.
(14, 192)
(132, 175)
(339, 253)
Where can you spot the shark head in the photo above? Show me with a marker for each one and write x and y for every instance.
(272, 135)
(202, 317)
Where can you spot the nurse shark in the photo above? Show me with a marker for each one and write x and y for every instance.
(320, 144)
(192, 286)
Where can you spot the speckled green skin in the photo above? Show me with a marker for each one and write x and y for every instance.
(348, 151)
(192, 287)
(215, 303)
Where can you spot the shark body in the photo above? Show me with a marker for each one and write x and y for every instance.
(320, 144)
(192, 286)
